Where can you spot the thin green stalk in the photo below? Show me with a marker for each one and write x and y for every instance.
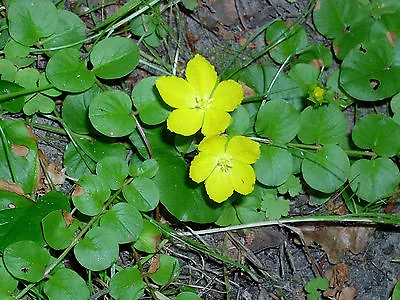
(6, 97)
(6, 147)
(49, 128)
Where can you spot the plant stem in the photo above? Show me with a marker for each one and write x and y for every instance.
(6, 97)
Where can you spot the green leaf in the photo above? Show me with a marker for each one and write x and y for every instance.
(75, 110)
(139, 142)
(127, 285)
(275, 207)
(113, 170)
(396, 292)
(228, 215)
(395, 104)
(379, 133)
(327, 169)
(148, 237)
(274, 165)
(305, 75)
(317, 55)
(98, 250)
(315, 284)
(68, 73)
(295, 39)
(291, 186)
(248, 209)
(89, 194)
(29, 20)
(18, 53)
(124, 221)
(240, 122)
(142, 193)
(147, 168)
(7, 71)
(20, 218)
(58, 230)
(70, 29)
(281, 127)
(39, 103)
(334, 18)
(373, 180)
(66, 284)
(13, 105)
(369, 73)
(190, 5)
(79, 163)
(114, 57)
(143, 25)
(7, 283)
(322, 125)
(26, 260)
(151, 108)
(22, 165)
(111, 114)
(167, 271)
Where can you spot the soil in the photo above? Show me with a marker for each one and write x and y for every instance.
(283, 263)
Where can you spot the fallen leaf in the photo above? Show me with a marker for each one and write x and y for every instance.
(260, 239)
(336, 240)
(248, 91)
(348, 293)
(392, 38)
(78, 191)
(19, 150)
(317, 63)
(57, 176)
(68, 218)
(225, 12)
(11, 187)
(155, 264)
(337, 275)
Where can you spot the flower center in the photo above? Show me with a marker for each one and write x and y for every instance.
(224, 163)
(203, 102)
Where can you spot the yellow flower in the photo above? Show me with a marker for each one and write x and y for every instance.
(225, 166)
(198, 104)
(317, 95)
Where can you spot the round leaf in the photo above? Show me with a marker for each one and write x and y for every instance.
(187, 296)
(143, 193)
(125, 221)
(374, 179)
(59, 229)
(68, 73)
(66, 284)
(240, 122)
(39, 103)
(111, 114)
(127, 285)
(152, 109)
(148, 237)
(334, 17)
(248, 209)
(316, 55)
(327, 169)
(295, 40)
(395, 104)
(322, 125)
(13, 105)
(75, 110)
(30, 20)
(113, 170)
(305, 75)
(281, 127)
(114, 57)
(147, 168)
(70, 29)
(7, 283)
(379, 133)
(370, 73)
(274, 165)
(168, 270)
(89, 194)
(98, 250)
(26, 260)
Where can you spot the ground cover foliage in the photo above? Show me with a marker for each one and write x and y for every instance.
(143, 120)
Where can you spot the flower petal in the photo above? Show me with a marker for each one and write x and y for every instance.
(213, 144)
(243, 149)
(242, 177)
(215, 122)
(176, 92)
(219, 186)
(185, 121)
(201, 75)
(228, 95)
(202, 166)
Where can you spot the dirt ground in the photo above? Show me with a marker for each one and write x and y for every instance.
(216, 29)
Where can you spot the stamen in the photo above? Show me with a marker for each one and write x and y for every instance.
(203, 102)
(224, 163)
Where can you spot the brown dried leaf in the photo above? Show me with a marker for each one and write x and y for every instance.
(20, 150)
(248, 91)
(317, 63)
(68, 218)
(155, 264)
(392, 38)
(78, 191)
(57, 176)
(335, 240)
(225, 12)
(337, 275)
(263, 238)
(11, 187)
(348, 293)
